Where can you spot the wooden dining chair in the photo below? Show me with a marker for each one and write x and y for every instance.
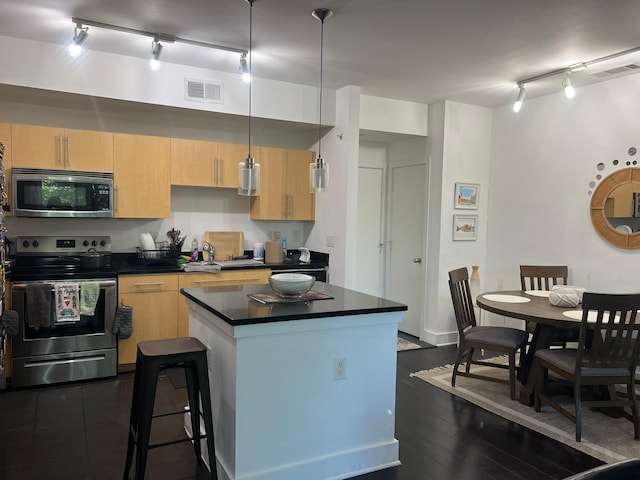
(503, 340)
(606, 357)
(545, 277)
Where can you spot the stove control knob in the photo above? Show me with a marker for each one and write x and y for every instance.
(103, 243)
(36, 244)
(85, 243)
(94, 243)
(25, 244)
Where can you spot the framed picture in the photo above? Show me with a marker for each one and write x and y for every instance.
(467, 195)
(465, 227)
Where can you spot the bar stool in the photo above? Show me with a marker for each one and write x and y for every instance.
(152, 357)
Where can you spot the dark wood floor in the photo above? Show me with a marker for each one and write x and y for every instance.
(79, 431)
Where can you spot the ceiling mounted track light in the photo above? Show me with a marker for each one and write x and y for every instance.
(156, 50)
(244, 70)
(80, 34)
(319, 170)
(569, 91)
(518, 105)
(249, 170)
(566, 73)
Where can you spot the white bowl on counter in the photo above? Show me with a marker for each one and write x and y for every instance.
(291, 284)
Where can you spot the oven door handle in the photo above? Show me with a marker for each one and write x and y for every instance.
(103, 284)
(299, 270)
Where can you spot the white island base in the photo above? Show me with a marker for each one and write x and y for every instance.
(280, 410)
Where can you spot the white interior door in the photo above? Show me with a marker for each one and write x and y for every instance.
(405, 237)
(368, 275)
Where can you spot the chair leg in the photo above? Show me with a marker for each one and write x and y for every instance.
(133, 421)
(469, 360)
(148, 383)
(457, 364)
(631, 393)
(537, 404)
(512, 375)
(194, 406)
(205, 398)
(577, 395)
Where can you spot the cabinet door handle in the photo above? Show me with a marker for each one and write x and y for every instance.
(68, 142)
(290, 205)
(241, 280)
(148, 284)
(285, 204)
(60, 151)
(220, 178)
(115, 199)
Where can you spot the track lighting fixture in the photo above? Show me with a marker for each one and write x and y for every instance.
(244, 70)
(249, 170)
(319, 170)
(79, 36)
(518, 105)
(156, 50)
(569, 91)
(82, 26)
(566, 73)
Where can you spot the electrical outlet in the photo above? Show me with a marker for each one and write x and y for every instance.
(331, 240)
(276, 236)
(339, 368)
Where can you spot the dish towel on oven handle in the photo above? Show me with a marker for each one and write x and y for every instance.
(67, 299)
(89, 294)
(123, 324)
(38, 305)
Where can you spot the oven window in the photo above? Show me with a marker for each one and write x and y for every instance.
(85, 326)
(55, 195)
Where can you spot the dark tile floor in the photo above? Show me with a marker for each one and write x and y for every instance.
(79, 431)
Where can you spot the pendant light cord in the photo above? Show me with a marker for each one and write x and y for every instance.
(320, 108)
(250, 69)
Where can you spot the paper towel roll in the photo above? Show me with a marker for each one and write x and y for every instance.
(273, 252)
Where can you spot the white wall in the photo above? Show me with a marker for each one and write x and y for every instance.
(542, 161)
(386, 115)
(460, 152)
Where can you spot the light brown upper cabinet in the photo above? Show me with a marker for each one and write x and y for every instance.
(205, 164)
(5, 137)
(141, 174)
(284, 185)
(61, 148)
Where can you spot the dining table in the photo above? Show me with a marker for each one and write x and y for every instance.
(530, 306)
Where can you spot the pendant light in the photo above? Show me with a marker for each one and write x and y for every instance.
(319, 170)
(249, 170)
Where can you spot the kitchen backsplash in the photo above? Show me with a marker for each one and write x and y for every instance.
(193, 211)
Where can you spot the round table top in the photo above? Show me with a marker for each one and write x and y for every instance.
(532, 306)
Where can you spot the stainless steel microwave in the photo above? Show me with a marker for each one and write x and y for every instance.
(61, 193)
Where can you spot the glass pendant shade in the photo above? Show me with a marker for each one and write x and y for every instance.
(249, 178)
(319, 176)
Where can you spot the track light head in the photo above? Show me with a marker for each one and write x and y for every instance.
(156, 51)
(569, 91)
(79, 36)
(244, 69)
(518, 105)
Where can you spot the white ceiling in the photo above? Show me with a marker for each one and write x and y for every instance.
(470, 51)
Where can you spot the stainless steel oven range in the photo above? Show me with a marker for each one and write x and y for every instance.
(66, 308)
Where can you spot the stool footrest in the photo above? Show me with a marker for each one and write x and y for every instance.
(173, 442)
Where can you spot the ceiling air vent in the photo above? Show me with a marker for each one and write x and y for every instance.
(616, 70)
(201, 91)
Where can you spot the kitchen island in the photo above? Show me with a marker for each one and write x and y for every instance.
(301, 390)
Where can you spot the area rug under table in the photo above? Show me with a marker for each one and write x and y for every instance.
(603, 437)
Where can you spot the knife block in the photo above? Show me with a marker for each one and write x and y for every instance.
(273, 252)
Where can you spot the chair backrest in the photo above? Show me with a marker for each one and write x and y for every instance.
(615, 323)
(461, 298)
(543, 277)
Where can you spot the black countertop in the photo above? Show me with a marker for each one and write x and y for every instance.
(234, 306)
(128, 263)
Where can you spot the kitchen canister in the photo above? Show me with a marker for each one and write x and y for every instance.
(258, 251)
(273, 252)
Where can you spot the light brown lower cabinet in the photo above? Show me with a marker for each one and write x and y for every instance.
(159, 309)
(221, 279)
(154, 299)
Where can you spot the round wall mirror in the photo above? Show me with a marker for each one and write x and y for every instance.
(615, 208)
